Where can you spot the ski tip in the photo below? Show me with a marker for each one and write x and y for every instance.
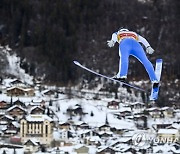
(159, 60)
(76, 62)
(152, 99)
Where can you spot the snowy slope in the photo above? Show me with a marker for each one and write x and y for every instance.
(14, 66)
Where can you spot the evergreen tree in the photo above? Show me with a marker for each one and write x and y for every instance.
(48, 111)
(14, 152)
(4, 152)
(92, 114)
(11, 102)
(50, 103)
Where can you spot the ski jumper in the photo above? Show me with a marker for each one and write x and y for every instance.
(129, 45)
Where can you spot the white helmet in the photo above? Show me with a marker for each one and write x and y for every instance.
(123, 29)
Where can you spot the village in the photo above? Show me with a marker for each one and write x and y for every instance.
(46, 119)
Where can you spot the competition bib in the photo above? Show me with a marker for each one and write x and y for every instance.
(122, 35)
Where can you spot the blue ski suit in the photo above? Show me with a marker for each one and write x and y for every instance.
(129, 45)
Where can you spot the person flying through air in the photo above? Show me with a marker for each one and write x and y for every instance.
(129, 44)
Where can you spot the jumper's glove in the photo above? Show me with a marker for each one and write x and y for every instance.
(110, 43)
(149, 50)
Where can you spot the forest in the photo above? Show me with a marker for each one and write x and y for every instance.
(49, 35)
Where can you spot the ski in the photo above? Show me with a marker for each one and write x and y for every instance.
(110, 78)
(155, 90)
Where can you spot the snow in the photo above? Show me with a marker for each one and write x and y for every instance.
(167, 131)
(38, 117)
(175, 125)
(56, 135)
(9, 117)
(16, 106)
(11, 151)
(14, 67)
(99, 108)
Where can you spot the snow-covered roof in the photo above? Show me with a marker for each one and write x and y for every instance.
(105, 132)
(16, 124)
(94, 138)
(80, 132)
(38, 117)
(14, 87)
(163, 149)
(47, 90)
(135, 103)
(80, 146)
(34, 107)
(167, 131)
(33, 141)
(16, 106)
(102, 148)
(164, 108)
(64, 122)
(175, 125)
(8, 117)
(152, 109)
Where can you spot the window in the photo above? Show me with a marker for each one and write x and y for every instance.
(23, 130)
(46, 129)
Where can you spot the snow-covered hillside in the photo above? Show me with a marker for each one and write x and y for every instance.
(94, 111)
(13, 66)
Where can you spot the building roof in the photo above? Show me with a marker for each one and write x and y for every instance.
(16, 106)
(38, 117)
(32, 141)
(168, 131)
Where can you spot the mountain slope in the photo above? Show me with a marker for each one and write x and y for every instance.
(49, 36)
